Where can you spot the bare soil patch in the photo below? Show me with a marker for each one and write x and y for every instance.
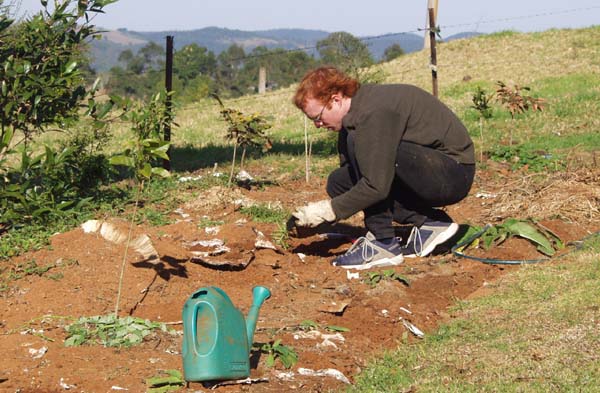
(304, 286)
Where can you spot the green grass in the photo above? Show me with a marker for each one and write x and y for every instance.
(538, 332)
(36, 236)
(265, 213)
(207, 222)
(568, 123)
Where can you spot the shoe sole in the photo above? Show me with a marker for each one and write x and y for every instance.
(385, 262)
(441, 238)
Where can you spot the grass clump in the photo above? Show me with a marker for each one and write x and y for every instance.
(281, 236)
(265, 213)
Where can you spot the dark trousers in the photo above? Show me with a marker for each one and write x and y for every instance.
(425, 178)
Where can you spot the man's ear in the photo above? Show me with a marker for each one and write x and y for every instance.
(337, 97)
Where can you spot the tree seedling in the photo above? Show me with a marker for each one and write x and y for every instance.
(148, 147)
(481, 103)
(244, 131)
(516, 103)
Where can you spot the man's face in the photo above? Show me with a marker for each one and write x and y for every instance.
(325, 115)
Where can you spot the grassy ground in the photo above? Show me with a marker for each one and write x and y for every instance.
(537, 332)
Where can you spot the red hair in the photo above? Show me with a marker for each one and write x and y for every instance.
(323, 82)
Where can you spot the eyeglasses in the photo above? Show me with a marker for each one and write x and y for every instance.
(317, 119)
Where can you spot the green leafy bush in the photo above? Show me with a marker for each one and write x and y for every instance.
(43, 187)
(140, 153)
(42, 87)
(40, 78)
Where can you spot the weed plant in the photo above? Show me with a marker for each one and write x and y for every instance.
(111, 331)
(35, 236)
(277, 351)
(171, 382)
(525, 156)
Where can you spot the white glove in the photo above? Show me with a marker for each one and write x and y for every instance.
(314, 214)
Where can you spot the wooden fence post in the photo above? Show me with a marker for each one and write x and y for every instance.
(433, 64)
(430, 4)
(262, 80)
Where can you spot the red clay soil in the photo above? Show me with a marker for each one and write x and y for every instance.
(35, 309)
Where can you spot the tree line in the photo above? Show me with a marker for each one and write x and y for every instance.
(198, 72)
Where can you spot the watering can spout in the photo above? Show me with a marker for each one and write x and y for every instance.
(259, 295)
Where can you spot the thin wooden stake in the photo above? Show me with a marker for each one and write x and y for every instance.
(123, 262)
(168, 104)
(306, 153)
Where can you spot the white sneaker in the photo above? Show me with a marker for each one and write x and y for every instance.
(422, 241)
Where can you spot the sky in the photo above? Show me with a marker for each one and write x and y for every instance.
(358, 17)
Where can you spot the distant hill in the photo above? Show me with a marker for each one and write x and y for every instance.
(459, 36)
(105, 51)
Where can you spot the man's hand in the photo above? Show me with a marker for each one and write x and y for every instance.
(314, 214)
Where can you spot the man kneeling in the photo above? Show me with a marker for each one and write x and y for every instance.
(402, 154)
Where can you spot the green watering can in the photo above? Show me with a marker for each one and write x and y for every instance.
(216, 338)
